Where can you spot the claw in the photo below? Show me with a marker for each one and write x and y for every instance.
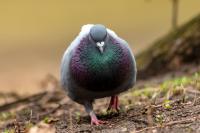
(95, 121)
(89, 110)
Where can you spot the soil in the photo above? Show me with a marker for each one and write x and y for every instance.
(56, 110)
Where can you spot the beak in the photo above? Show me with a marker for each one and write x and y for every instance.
(100, 45)
(101, 49)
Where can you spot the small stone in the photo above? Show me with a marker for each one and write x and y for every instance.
(154, 131)
(124, 129)
(42, 128)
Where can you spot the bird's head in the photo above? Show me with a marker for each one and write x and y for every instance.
(98, 34)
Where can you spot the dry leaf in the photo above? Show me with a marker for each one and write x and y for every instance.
(42, 128)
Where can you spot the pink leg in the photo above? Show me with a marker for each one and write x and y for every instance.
(89, 110)
(114, 104)
(94, 120)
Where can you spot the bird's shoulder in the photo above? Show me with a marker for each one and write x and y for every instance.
(77, 41)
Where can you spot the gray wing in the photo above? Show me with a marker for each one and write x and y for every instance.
(64, 73)
(65, 67)
(134, 74)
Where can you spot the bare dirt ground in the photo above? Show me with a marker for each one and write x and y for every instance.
(171, 104)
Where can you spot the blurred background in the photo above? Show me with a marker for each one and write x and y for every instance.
(34, 34)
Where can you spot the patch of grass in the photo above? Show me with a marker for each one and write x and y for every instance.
(28, 125)
(26, 112)
(197, 75)
(77, 116)
(182, 81)
(49, 120)
(9, 131)
(175, 86)
(167, 104)
(46, 119)
(159, 118)
(166, 90)
(177, 90)
(196, 80)
(145, 93)
(164, 87)
(6, 116)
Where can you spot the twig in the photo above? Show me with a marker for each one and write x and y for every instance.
(22, 101)
(11, 94)
(161, 105)
(149, 116)
(50, 112)
(195, 92)
(70, 122)
(170, 124)
(31, 115)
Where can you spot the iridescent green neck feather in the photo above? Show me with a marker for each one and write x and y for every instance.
(98, 71)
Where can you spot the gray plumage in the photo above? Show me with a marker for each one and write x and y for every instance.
(98, 32)
(88, 61)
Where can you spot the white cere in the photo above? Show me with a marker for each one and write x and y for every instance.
(100, 44)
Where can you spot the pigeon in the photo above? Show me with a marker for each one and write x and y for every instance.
(97, 64)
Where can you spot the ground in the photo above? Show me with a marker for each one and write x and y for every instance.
(169, 103)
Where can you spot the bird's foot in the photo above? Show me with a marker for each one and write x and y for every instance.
(114, 105)
(95, 121)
